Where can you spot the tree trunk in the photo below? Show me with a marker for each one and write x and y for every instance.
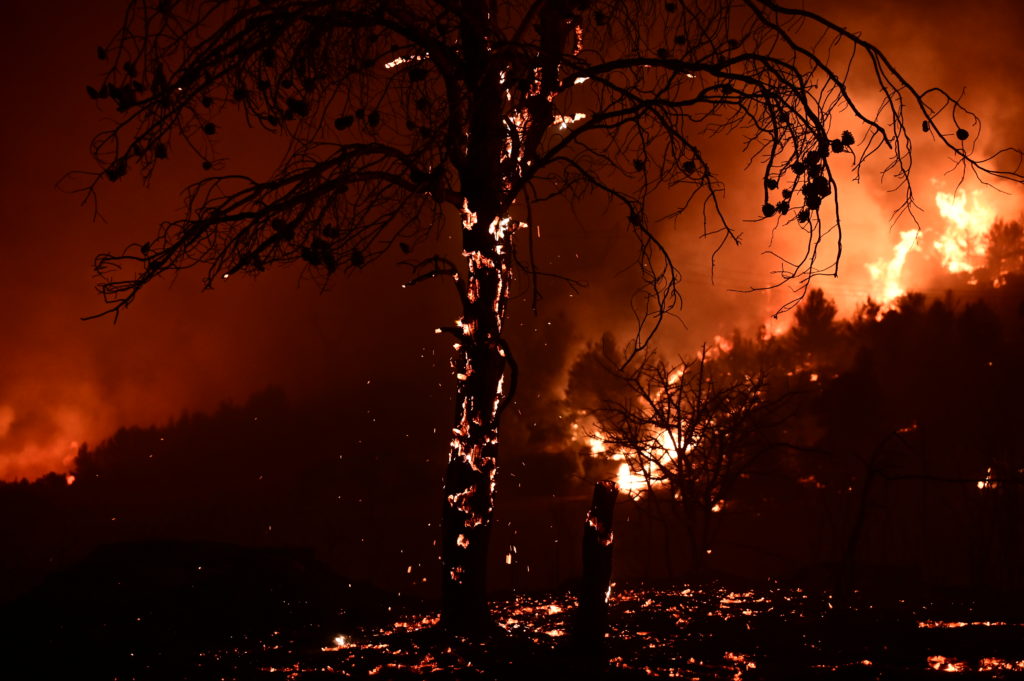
(495, 158)
(479, 366)
(592, 610)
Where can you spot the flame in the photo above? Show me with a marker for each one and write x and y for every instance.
(720, 345)
(941, 663)
(776, 326)
(398, 61)
(564, 122)
(988, 664)
(645, 476)
(938, 624)
(636, 482)
(630, 482)
(963, 245)
(340, 643)
(960, 244)
(887, 274)
(633, 483)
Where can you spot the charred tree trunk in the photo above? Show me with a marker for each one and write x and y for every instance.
(479, 366)
(592, 609)
(493, 155)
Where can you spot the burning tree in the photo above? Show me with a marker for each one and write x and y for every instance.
(394, 117)
(693, 429)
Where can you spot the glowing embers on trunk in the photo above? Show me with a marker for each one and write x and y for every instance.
(939, 624)
(564, 122)
(944, 664)
(604, 534)
(464, 503)
(469, 218)
(398, 61)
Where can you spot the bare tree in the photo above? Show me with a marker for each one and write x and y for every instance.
(396, 116)
(690, 430)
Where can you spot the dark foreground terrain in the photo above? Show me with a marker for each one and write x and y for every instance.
(211, 611)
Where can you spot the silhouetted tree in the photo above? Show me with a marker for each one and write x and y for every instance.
(1005, 253)
(393, 116)
(693, 428)
(815, 333)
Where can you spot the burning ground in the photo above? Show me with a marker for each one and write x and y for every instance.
(711, 631)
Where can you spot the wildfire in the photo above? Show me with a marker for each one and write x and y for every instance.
(633, 482)
(960, 246)
(630, 482)
(888, 273)
(776, 326)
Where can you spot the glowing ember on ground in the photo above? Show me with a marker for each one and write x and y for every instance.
(933, 624)
(707, 632)
(990, 664)
(633, 484)
(340, 643)
(989, 482)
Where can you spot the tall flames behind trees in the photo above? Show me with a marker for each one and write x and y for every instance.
(691, 428)
(396, 116)
(961, 246)
(905, 405)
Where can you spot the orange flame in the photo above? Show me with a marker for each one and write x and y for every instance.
(963, 245)
(960, 245)
(887, 274)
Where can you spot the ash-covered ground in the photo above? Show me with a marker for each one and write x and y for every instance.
(209, 611)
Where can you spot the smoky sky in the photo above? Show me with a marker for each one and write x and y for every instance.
(64, 381)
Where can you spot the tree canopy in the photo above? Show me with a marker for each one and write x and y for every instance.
(394, 112)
